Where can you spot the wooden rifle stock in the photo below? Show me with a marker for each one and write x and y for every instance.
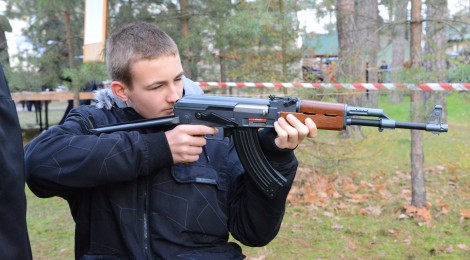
(326, 115)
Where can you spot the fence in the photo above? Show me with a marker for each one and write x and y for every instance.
(338, 86)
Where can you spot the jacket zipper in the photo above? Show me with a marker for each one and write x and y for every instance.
(204, 149)
(145, 227)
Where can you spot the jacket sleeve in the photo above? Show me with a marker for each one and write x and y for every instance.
(66, 158)
(255, 219)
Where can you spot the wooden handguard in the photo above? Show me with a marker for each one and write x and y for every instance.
(326, 115)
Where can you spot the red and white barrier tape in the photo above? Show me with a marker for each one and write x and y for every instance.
(359, 86)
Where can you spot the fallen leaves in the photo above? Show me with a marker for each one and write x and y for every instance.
(371, 210)
(420, 214)
(449, 249)
(444, 207)
(464, 214)
(351, 245)
(394, 232)
(347, 192)
(334, 192)
(363, 211)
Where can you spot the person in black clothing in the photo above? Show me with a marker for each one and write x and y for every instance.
(14, 240)
(90, 87)
(157, 193)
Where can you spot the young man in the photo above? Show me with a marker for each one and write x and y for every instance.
(156, 193)
(14, 241)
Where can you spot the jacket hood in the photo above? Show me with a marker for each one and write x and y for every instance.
(105, 99)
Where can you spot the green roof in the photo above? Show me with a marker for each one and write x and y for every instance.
(326, 45)
(320, 44)
(458, 33)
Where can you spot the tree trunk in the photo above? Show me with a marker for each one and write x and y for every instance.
(436, 39)
(398, 45)
(418, 181)
(368, 37)
(223, 72)
(367, 32)
(186, 52)
(435, 49)
(283, 43)
(4, 56)
(349, 66)
(71, 56)
(353, 99)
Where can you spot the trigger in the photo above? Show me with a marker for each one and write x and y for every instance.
(220, 135)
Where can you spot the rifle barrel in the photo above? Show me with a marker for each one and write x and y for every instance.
(391, 124)
(136, 125)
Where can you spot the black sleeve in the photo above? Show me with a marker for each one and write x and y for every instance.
(66, 158)
(14, 241)
(255, 219)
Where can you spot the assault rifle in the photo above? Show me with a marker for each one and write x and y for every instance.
(241, 118)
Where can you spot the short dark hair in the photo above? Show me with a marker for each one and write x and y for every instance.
(133, 42)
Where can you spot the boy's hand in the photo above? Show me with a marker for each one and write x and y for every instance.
(290, 133)
(186, 141)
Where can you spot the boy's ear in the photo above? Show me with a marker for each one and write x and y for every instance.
(119, 90)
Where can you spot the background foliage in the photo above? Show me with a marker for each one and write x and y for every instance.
(254, 41)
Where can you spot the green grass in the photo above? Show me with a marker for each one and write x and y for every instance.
(50, 227)
(349, 198)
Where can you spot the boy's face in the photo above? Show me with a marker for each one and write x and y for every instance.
(156, 85)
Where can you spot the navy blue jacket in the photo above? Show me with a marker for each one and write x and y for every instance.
(129, 200)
